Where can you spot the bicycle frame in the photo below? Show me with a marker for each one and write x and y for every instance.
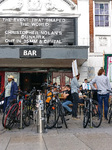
(92, 112)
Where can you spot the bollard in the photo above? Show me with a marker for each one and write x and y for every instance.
(91, 125)
(21, 114)
(40, 114)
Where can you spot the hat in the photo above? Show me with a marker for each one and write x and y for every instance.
(11, 77)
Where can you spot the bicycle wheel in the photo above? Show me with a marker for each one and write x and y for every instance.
(6, 116)
(13, 116)
(109, 115)
(86, 116)
(52, 115)
(96, 114)
(26, 115)
(62, 114)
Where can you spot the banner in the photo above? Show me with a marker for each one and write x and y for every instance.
(74, 68)
(109, 68)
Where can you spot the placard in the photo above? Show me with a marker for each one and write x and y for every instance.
(74, 68)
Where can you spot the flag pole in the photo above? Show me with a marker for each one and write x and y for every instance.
(103, 59)
(103, 68)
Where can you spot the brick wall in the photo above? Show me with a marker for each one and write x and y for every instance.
(75, 1)
(91, 26)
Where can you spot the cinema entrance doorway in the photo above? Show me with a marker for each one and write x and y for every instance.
(30, 80)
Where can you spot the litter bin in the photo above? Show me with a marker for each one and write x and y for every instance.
(40, 99)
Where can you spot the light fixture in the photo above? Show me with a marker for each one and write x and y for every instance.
(30, 43)
(70, 43)
(11, 43)
(50, 43)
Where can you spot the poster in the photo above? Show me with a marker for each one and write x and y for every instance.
(109, 68)
(74, 68)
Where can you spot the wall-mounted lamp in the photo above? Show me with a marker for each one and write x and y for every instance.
(50, 43)
(70, 43)
(26, 79)
(30, 43)
(11, 43)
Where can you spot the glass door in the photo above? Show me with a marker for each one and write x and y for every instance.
(62, 78)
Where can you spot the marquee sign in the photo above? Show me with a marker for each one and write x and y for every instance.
(39, 31)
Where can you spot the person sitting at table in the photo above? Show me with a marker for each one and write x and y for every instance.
(81, 96)
(68, 100)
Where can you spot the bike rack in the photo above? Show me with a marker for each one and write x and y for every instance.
(21, 114)
(91, 113)
(40, 120)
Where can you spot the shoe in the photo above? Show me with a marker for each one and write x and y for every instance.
(67, 119)
(75, 118)
(69, 113)
(106, 118)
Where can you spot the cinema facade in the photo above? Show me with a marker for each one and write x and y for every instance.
(39, 44)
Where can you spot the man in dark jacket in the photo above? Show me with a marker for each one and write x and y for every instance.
(10, 90)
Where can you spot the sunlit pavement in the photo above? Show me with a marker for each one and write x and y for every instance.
(75, 137)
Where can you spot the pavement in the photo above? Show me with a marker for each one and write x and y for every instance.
(75, 137)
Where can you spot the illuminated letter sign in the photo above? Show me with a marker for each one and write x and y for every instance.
(30, 52)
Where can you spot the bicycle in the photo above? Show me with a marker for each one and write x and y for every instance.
(92, 111)
(55, 111)
(54, 108)
(12, 113)
(5, 117)
(109, 114)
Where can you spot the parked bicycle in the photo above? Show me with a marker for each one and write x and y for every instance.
(12, 113)
(92, 111)
(109, 114)
(54, 110)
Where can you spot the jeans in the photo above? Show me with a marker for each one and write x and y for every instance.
(75, 98)
(65, 105)
(104, 97)
(6, 102)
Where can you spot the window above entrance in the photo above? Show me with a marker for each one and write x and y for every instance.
(101, 14)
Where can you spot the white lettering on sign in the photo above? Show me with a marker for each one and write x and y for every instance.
(37, 30)
(29, 53)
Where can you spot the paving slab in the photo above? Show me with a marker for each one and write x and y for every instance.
(96, 141)
(28, 142)
(75, 137)
(64, 142)
(4, 141)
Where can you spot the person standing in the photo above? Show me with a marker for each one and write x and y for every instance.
(10, 90)
(103, 85)
(85, 86)
(75, 96)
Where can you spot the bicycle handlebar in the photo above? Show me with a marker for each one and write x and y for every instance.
(49, 85)
(19, 92)
(109, 91)
(92, 90)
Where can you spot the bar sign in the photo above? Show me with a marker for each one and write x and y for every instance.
(30, 53)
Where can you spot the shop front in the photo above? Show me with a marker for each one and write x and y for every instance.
(55, 64)
(39, 45)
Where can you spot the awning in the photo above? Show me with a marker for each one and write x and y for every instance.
(51, 56)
